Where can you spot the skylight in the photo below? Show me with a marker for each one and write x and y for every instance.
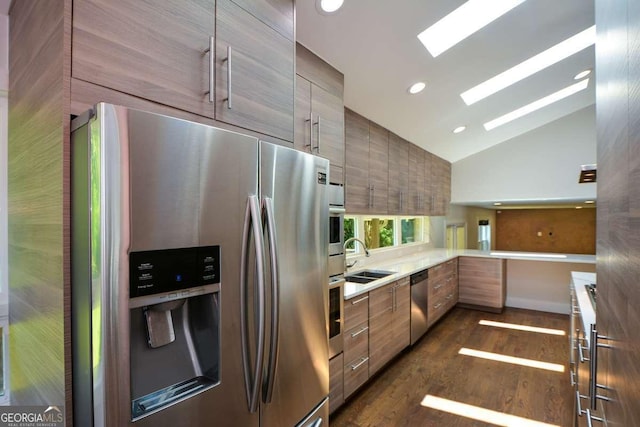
(462, 22)
(531, 66)
(536, 105)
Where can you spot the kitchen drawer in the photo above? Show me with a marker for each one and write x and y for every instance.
(355, 374)
(356, 311)
(356, 342)
(336, 382)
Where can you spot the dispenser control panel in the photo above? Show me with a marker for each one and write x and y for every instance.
(154, 272)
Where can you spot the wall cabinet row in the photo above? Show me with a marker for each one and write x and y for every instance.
(385, 174)
(228, 60)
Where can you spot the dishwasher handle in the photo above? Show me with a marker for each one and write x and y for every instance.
(419, 277)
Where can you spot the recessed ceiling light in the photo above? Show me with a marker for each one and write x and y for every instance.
(589, 201)
(497, 204)
(536, 105)
(459, 129)
(462, 22)
(417, 88)
(582, 74)
(328, 6)
(531, 66)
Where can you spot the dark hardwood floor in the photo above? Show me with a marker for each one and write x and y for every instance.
(434, 367)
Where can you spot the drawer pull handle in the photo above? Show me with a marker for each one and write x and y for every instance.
(437, 306)
(437, 286)
(355, 334)
(360, 363)
(358, 301)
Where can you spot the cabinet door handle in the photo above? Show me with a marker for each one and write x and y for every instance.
(437, 306)
(317, 123)
(437, 286)
(358, 301)
(355, 334)
(212, 64)
(401, 200)
(357, 365)
(228, 61)
(310, 122)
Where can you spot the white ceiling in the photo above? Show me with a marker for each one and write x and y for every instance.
(374, 43)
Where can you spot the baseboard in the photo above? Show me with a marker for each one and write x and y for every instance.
(539, 305)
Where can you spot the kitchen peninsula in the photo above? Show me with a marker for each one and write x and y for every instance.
(536, 281)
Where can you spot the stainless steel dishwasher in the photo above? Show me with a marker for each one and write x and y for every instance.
(419, 295)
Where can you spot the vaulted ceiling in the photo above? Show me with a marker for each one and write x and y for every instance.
(374, 43)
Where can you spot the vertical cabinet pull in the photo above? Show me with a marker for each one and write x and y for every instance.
(317, 123)
(310, 122)
(401, 200)
(228, 61)
(211, 71)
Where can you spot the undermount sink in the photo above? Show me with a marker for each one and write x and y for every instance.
(367, 276)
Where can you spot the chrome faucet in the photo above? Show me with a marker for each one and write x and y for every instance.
(344, 246)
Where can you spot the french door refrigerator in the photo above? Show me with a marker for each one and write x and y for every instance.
(199, 270)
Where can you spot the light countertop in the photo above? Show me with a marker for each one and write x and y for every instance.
(406, 265)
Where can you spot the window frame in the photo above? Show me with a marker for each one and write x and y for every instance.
(397, 231)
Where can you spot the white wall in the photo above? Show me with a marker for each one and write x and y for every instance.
(540, 165)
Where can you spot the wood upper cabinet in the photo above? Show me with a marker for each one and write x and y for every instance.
(319, 112)
(357, 194)
(440, 185)
(482, 283)
(159, 50)
(398, 193)
(366, 167)
(416, 202)
(255, 86)
(389, 322)
(153, 50)
(319, 125)
(378, 167)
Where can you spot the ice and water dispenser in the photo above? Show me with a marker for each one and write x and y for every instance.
(174, 326)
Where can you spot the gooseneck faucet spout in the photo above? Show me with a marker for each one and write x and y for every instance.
(354, 239)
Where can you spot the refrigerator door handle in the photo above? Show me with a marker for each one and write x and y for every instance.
(252, 374)
(275, 300)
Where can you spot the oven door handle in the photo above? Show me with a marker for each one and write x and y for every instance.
(337, 210)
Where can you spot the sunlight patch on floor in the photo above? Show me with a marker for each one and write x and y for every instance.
(522, 327)
(513, 360)
(480, 414)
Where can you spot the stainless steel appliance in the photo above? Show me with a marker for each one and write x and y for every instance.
(336, 315)
(199, 276)
(419, 304)
(336, 229)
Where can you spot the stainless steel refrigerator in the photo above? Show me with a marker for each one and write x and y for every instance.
(199, 261)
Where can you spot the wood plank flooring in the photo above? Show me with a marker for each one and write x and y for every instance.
(434, 367)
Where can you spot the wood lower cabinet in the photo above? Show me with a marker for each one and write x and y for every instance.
(442, 290)
(389, 323)
(356, 343)
(336, 382)
(482, 283)
(160, 51)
